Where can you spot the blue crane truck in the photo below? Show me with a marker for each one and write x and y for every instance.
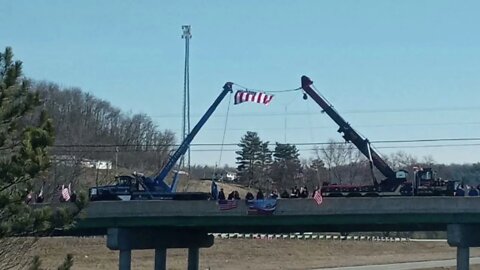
(140, 187)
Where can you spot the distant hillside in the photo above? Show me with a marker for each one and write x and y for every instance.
(85, 125)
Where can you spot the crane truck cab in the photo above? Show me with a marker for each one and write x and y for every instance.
(139, 187)
(427, 183)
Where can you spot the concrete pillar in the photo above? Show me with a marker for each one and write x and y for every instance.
(463, 237)
(160, 259)
(125, 260)
(463, 258)
(193, 258)
(128, 239)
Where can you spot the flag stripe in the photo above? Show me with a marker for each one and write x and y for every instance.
(318, 197)
(249, 96)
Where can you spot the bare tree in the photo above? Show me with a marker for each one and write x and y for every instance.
(343, 161)
(401, 160)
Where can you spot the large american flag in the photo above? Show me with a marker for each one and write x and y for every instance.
(258, 97)
(318, 197)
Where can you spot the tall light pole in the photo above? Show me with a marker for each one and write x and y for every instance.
(186, 88)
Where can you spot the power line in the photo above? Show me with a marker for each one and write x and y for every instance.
(403, 110)
(299, 149)
(364, 125)
(297, 143)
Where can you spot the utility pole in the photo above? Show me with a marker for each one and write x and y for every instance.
(186, 89)
(116, 160)
(285, 126)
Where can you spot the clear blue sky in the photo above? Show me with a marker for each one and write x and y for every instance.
(394, 69)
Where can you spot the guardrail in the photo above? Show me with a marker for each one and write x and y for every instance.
(309, 236)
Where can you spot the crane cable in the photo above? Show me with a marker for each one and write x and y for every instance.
(273, 91)
(224, 134)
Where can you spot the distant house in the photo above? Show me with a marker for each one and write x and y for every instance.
(103, 164)
(65, 160)
(71, 161)
(180, 172)
(231, 176)
(96, 164)
(87, 163)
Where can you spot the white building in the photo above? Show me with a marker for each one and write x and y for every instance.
(96, 164)
(231, 176)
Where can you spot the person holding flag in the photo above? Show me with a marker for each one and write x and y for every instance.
(65, 193)
(214, 190)
(39, 198)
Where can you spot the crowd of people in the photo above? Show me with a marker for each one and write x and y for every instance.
(66, 194)
(295, 192)
(467, 190)
(34, 198)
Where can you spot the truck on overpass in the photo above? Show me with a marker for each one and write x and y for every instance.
(425, 182)
(140, 187)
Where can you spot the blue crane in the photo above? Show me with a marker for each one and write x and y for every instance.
(159, 180)
(138, 186)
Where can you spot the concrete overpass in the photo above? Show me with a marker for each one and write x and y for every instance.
(161, 225)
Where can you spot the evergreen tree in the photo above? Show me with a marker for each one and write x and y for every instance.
(24, 138)
(286, 166)
(253, 159)
(315, 173)
(265, 159)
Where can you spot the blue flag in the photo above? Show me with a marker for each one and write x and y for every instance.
(214, 190)
(262, 207)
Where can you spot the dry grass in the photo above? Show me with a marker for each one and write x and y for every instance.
(205, 186)
(91, 253)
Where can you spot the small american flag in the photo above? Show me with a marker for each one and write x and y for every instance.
(258, 97)
(227, 205)
(318, 197)
(66, 194)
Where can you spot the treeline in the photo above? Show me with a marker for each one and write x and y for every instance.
(80, 120)
(282, 168)
(336, 162)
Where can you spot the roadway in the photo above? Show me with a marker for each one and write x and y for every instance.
(406, 266)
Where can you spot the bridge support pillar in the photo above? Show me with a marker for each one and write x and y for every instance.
(127, 239)
(125, 259)
(463, 258)
(463, 236)
(193, 258)
(160, 259)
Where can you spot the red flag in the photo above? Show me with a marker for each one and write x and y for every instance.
(318, 197)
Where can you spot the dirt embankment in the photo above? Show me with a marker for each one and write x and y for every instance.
(91, 253)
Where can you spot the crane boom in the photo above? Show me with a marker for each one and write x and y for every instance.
(349, 134)
(181, 150)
